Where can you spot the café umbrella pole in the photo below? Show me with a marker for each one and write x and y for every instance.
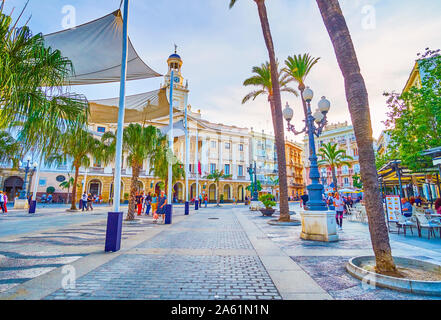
(114, 220)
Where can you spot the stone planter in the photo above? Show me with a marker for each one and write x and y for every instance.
(267, 212)
(319, 226)
(355, 268)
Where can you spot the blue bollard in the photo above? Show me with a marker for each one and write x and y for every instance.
(114, 230)
(187, 208)
(33, 206)
(196, 205)
(168, 214)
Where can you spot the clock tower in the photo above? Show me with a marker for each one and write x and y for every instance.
(174, 63)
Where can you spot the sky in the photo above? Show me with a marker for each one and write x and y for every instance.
(220, 46)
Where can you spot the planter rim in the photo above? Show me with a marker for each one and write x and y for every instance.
(400, 284)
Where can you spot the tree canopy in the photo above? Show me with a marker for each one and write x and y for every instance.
(414, 117)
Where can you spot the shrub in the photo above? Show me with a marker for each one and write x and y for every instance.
(267, 201)
(50, 190)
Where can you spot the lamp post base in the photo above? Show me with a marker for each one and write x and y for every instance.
(33, 206)
(114, 231)
(168, 214)
(21, 204)
(196, 205)
(187, 208)
(319, 226)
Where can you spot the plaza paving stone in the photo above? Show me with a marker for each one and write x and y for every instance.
(72, 236)
(184, 273)
(207, 255)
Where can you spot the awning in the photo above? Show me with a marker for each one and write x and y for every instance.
(138, 108)
(178, 129)
(95, 49)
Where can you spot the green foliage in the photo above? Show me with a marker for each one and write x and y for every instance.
(26, 67)
(332, 157)
(258, 185)
(267, 201)
(126, 196)
(217, 175)
(262, 79)
(357, 181)
(50, 190)
(10, 149)
(68, 183)
(414, 117)
(299, 66)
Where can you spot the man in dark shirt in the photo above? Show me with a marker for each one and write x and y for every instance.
(305, 199)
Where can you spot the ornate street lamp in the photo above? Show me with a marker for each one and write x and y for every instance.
(26, 167)
(315, 123)
(253, 176)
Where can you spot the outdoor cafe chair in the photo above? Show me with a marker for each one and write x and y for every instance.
(404, 222)
(424, 223)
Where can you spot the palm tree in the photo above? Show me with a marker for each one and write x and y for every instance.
(357, 97)
(276, 110)
(160, 160)
(77, 144)
(216, 176)
(262, 79)
(139, 143)
(10, 149)
(67, 185)
(274, 182)
(298, 68)
(333, 158)
(30, 76)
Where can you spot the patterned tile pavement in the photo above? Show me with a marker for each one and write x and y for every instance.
(186, 276)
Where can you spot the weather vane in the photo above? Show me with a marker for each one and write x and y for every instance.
(176, 48)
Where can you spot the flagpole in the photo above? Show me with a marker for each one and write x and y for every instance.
(122, 100)
(114, 219)
(187, 152)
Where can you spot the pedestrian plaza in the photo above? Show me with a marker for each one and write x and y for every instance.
(224, 253)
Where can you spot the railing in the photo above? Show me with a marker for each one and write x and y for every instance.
(96, 170)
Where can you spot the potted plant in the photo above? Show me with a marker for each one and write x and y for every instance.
(221, 198)
(126, 198)
(267, 200)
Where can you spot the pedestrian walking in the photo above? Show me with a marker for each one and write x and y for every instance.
(148, 203)
(84, 202)
(339, 209)
(138, 199)
(162, 202)
(154, 203)
(6, 202)
(206, 200)
(89, 202)
(2, 201)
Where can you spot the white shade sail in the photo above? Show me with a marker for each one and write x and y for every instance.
(178, 129)
(139, 107)
(95, 49)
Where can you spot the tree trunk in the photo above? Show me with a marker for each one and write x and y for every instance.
(74, 188)
(133, 191)
(357, 97)
(334, 178)
(279, 130)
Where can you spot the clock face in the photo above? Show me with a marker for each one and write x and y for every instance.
(176, 79)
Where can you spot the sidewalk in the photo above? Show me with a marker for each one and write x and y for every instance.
(215, 253)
